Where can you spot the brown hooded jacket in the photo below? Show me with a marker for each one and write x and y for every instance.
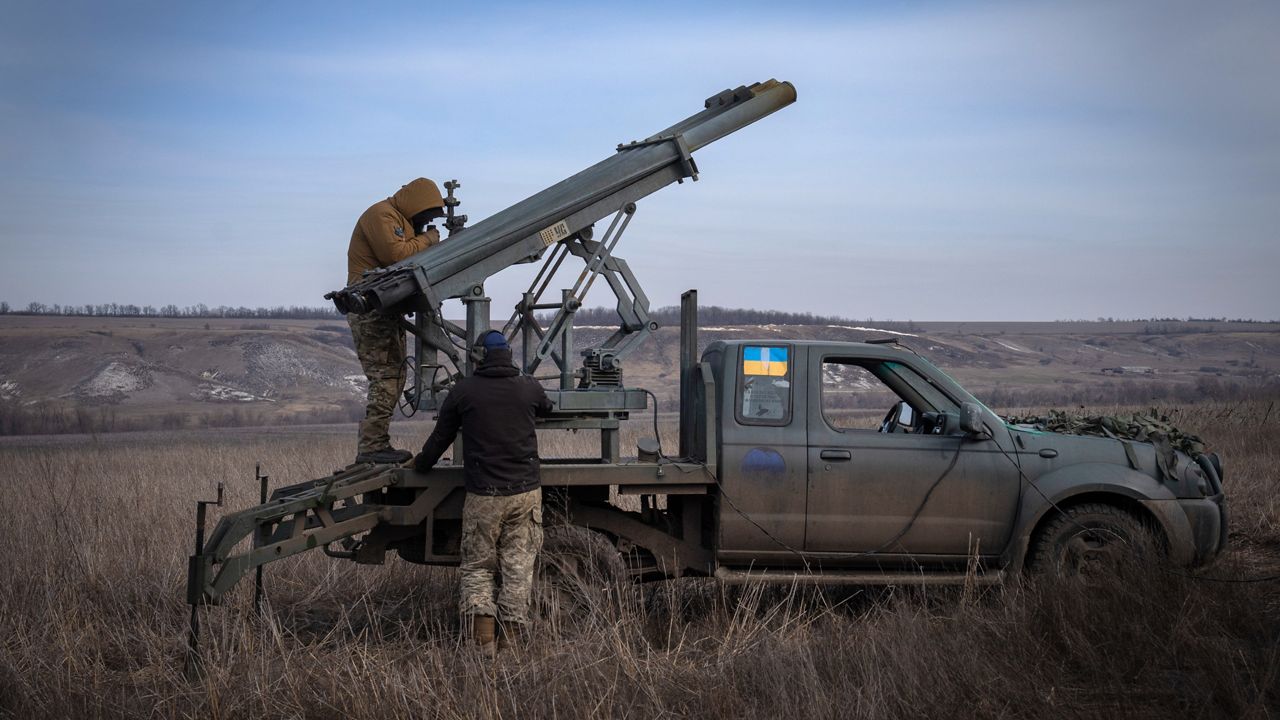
(384, 234)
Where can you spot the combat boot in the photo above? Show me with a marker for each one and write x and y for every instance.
(512, 635)
(385, 456)
(483, 631)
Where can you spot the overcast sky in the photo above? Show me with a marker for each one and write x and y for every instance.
(1004, 161)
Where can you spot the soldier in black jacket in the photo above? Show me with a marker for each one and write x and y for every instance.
(502, 515)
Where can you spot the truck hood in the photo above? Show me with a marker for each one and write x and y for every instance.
(1071, 449)
(1045, 451)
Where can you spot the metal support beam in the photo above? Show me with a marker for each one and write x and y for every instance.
(569, 307)
(610, 445)
(260, 538)
(528, 338)
(688, 363)
(477, 305)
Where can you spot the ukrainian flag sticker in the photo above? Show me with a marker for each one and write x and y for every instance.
(760, 360)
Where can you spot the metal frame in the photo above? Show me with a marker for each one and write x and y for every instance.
(349, 503)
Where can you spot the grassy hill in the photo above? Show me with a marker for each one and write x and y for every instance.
(92, 374)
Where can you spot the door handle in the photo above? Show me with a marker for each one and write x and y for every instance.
(835, 455)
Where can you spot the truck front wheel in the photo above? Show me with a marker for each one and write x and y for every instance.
(1091, 539)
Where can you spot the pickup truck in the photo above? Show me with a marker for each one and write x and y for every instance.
(777, 480)
(941, 481)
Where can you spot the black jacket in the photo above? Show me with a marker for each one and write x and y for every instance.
(495, 408)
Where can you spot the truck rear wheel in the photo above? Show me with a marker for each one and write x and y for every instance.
(577, 571)
(1091, 539)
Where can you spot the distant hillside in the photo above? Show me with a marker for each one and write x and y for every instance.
(102, 374)
(117, 373)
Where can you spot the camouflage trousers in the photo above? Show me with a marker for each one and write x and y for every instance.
(501, 537)
(380, 345)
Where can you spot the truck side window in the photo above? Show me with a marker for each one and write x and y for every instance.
(856, 392)
(852, 397)
(764, 385)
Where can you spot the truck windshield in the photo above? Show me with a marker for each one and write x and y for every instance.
(931, 394)
(962, 394)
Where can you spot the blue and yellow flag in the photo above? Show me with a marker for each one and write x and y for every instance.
(758, 360)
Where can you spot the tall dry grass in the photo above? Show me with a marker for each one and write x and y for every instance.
(92, 620)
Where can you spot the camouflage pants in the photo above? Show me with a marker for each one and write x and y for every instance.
(380, 345)
(500, 535)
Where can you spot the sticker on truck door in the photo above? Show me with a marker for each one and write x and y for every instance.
(763, 360)
(764, 385)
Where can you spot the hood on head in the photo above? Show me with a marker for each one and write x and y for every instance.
(416, 196)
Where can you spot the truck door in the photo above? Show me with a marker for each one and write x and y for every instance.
(869, 474)
(763, 463)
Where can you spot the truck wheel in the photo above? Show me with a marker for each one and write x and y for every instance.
(1091, 539)
(578, 569)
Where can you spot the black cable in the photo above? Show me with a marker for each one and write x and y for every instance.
(408, 364)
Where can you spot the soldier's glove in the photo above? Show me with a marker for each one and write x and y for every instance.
(420, 464)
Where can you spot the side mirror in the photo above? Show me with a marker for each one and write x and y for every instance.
(971, 419)
(906, 416)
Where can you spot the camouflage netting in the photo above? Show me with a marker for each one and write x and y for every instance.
(1153, 427)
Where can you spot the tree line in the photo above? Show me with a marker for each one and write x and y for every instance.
(667, 316)
(716, 315)
(707, 315)
(200, 310)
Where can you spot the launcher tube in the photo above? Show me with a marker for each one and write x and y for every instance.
(515, 234)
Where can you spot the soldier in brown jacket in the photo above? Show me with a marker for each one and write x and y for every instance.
(388, 232)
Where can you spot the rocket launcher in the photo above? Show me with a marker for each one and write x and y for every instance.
(522, 232)
(556, 223)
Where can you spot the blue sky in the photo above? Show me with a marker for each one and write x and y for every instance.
(1008, 161)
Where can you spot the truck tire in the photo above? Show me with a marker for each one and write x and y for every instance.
(578, 571)
(1091, 539)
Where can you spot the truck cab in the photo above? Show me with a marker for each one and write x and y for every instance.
(843, 457)
(828, 452)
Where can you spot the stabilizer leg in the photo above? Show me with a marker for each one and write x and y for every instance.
(297, 518)
(192, 667)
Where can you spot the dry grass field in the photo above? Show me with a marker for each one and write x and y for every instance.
(93, 620)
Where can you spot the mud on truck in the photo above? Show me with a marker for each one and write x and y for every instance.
(769, 480)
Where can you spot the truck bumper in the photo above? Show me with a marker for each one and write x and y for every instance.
(1208, 520)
